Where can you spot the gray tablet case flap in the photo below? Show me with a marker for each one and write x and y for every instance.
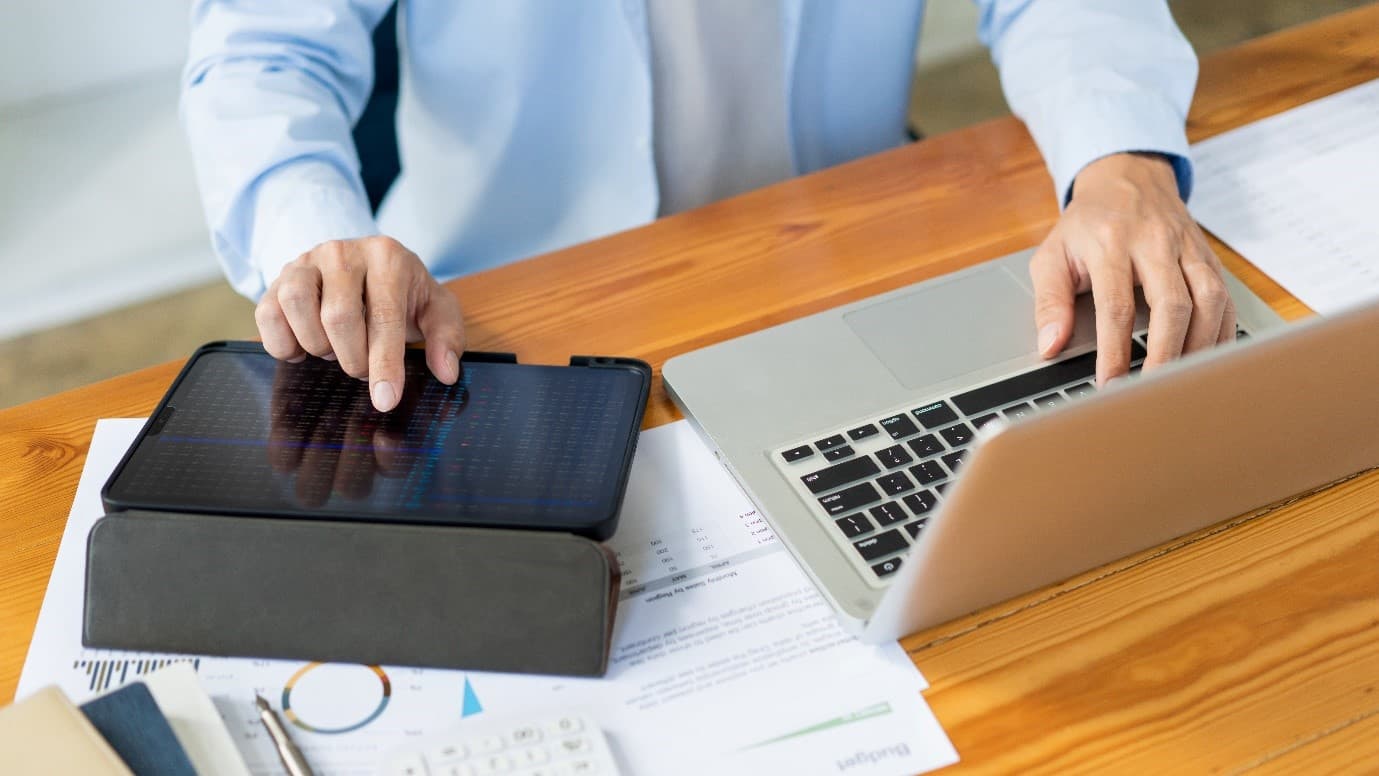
(434, 596)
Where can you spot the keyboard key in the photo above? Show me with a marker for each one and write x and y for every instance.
(954, 460)
(983, 420)
(896, 483)
(914, 528)
(928, 471)
(854, 525)
(887, 513)
(834, 453)
(942, 487)
(1241, 334)
(797, 453)
(926, 445)
(827, 442)
(840, 474)
(935, 415)
(1080, 390)
(899, 426)
(848, 499)
(893, 456)
(887, 567)
(862, 432)
(1050, 401)
(921, 502)
(1018, 412)
(884, 543)
(958, 435)
(1039, 381)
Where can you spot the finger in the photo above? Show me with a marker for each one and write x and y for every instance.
(1209, 300)
(1228, 324)
(1113, 296)
(1170, 303)
(342, 306)
(275, 331)
(442, 326)
(1228, 317)
(386, 299)
(1055, 294)
(299, 295)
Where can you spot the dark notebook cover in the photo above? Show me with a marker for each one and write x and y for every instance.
(130, 720)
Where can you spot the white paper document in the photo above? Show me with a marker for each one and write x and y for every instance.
(725, 658)
(1295, 195)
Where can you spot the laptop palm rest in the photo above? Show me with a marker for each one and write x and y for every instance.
(949, 328)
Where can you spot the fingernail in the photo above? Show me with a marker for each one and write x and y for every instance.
(329, 356)
(1046, 337)
(384, 397)
(452, 365)
(297, 359)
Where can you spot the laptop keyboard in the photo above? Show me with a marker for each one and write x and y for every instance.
(877, 480)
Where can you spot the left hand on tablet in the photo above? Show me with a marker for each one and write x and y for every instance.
(1127, 226)
(359, 302)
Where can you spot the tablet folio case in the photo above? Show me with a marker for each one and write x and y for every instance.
(415, 595)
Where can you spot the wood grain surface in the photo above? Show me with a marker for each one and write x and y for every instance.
(1250, 645)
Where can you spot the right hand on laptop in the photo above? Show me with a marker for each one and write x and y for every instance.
(1127, 226)
(360, 302)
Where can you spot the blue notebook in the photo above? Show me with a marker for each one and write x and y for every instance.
(130, 720)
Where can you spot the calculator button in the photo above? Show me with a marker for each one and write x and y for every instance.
(455, 769)
(525, 735)
(409, 765)
(489, 744)
(536, 755)
(583, 767)
(496, 763)
(448, 752)
(575, 745)
(565, 726)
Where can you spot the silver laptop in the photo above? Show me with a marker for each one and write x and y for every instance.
(922, 461)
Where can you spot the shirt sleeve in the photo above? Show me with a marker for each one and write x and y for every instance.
(269, 95)
(1092, 78)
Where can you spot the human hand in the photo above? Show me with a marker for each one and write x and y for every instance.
(359, 302)
(1127, 226)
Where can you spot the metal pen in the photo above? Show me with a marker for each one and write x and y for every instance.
(288, 752)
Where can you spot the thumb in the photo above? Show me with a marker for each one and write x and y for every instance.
(1055, 292)
(442, 326)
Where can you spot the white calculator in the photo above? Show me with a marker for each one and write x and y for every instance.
(562, 744)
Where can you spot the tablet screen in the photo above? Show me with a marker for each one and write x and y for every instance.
(507, 445)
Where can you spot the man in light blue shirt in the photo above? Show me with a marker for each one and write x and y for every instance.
(528, 125)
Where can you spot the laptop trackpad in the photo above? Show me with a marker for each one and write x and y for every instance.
(949, 328)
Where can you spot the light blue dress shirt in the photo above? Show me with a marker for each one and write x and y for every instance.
(526, 125)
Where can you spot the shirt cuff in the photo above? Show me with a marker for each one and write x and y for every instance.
(300, 206)
(1074, 132)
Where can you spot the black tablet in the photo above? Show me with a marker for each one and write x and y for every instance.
(509, 445)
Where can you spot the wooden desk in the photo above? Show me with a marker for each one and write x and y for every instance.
(1250, 645)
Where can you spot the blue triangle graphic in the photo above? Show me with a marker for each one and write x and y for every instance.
(471, 701)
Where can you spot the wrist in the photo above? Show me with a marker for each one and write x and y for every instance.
(1136, 167)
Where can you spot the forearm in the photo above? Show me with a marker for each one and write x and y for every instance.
(267, 103)
(1094, 77)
